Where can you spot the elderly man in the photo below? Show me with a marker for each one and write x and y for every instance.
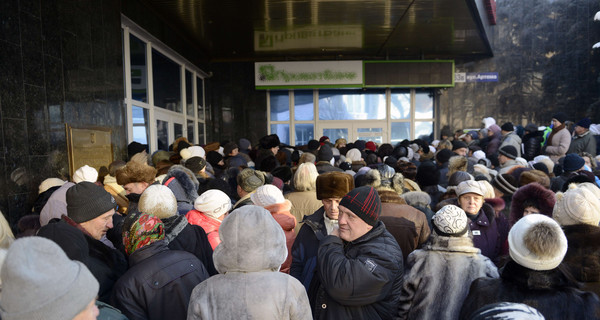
(583, 139)
(90, 211)
(510, 137)
(360, 264)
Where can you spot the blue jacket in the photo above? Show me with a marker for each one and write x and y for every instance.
(306, 245)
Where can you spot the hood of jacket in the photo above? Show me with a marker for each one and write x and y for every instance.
(184, 183)
(545, 199)
(281, 213)
(251, 241)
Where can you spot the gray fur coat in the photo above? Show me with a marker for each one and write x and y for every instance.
(437, 278)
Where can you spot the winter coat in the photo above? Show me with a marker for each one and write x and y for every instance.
(281, 214)
(245, 200)
(361, 279)
(445, 265)
(583, 255)
(208, 224)
(407, 224)
(158, 284)
(325, 166)
(249, 286)
(545, 199)
(435, 193)
(551, 292)
(106, 264)
(180, 235)
(444, 175)
(507, 166)
(532, 145)
(56, 206)
(559, 145)
(512, 139)
(583, 143)
(184, 185)
(489, 232)
(493, 144)
(306, 246)
(304, 203)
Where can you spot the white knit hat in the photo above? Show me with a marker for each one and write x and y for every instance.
(159, 201)
(193, 151)
(545, 160)
(450, 221)
(49, 183)
(469, 186)
(85, 173)
(213, 203)
(537, 242)
(353, 155)
(580, 204)
(478, 154)
(267, 195)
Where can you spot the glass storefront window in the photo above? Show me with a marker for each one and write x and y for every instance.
(400, 131)
(162, 134)
(177, 130)
(335, 134)
(351, 105)
(423, 105)
(304, 132)
(304, 109)
(190, 131)
(400, 104)
(200, 94)
(280, 106)
(423, 128)
(139, 78)
(201, 137)
(141, 132)
(282, 131)
(166, 75)
(189, 94)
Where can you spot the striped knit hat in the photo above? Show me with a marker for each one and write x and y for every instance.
(505, 183)
(363, 202)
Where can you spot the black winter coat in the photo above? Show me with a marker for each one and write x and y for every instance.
(106, 264)
(532, 145)
(361, 279)
(306, 246)
(551, 292)
(158, 284)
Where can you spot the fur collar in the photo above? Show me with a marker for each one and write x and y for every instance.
(546, 200)
(389, 196)
(582, 235)
(173, 226)
(554, 279)
(187, 180)
(451, 244)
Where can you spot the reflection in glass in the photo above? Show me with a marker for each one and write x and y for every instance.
(423, 106)
(201, 137)
(280, 106)
(376, 139)
(162, 134)
(141, 132)
(364, 130)
(304, 132)
(167, 82)
(190, 131)
(189, 93)
(200, 95)
(139, 78)
(400, 131)
(423, 129)
(283, 132)
(400, 104)
(177, 130)
(303, 105)
(336, 133)
(351, 104)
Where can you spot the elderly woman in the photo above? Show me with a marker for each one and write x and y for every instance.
(559, 139)
(304, 197)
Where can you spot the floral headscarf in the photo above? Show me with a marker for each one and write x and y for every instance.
(145, 230)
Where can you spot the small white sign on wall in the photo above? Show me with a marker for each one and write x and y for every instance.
(308, 73)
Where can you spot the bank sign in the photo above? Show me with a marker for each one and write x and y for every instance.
(313, 74)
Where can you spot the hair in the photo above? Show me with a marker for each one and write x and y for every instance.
(444, 144)
(340, 141)
(307, 157)
(530, 202)
(305, 178)
(592, 159)
(6, 235)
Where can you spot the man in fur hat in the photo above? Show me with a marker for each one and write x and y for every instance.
(135, 177)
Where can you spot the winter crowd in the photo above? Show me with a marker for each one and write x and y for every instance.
(500, 222)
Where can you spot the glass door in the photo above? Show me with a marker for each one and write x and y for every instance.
(169, 127)
(375, 131)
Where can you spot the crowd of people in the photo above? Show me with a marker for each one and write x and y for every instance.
(500, 222)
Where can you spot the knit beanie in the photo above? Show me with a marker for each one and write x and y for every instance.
(443, 156)
(537, 242)
(580, 204)
(360, 144)
(560, 116)
(229, 147)
(333, 185)
(40, 282)
(86, 201)
(427, 174)
(584, 123)
(450, 221)
(509, 151)
(195, 164)
(85, 173)
(193, 151)
(49, 183)
(506, 183)
(324, 153)
(267, 195)
(158, 200)
(244, 144)
(573, 162)
(145, 230)
(457, 144)
(363, 202)
(469, 186)
(213, 158)
(479, 155)
(507, 126)
(250, 179)
(371, 146)
(353, 155)
(213, 203)
(313, 145)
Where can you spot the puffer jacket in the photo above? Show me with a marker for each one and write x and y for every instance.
(158, 284)
(532, 145)
(249, 285)
(361, 279)
(210, 226)
(184, 185)
(551, 292)
(583, 255)
(444, 265)
(281, 214)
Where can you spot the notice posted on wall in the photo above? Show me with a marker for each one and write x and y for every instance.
(476, 77)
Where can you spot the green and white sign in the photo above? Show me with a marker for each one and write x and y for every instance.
(313, 74)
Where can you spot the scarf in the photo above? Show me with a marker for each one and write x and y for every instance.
(330, 224)
(146, 230)
(554, 131)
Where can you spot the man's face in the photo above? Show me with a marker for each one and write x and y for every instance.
(502, 158)
(471, 203)
(579, 130)
(352, 227)
(331, 206)
(461, 151)
(98, 226)
(135, 187)
(467, 138)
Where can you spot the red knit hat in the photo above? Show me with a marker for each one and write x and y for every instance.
(371, 146)
(363, 202)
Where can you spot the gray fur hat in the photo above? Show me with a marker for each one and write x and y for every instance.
(385, 178)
